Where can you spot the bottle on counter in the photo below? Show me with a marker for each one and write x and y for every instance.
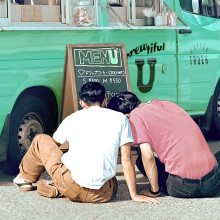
(82, 13)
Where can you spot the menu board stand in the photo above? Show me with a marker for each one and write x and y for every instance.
(103, 63)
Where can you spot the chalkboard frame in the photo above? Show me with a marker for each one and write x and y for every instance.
(69, 104)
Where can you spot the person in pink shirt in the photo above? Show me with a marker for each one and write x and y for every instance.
(185, 166)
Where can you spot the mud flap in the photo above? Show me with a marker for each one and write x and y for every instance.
(4, 139)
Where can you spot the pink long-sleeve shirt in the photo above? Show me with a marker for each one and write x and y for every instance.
(176, 138)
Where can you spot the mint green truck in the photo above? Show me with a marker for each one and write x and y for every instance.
(173, 51)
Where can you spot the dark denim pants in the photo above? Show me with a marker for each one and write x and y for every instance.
(176, 186)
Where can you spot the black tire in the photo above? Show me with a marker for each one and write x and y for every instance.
(30, 116)
(216, 108)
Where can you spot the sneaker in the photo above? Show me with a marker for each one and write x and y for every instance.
(46, 189)
(20, 182)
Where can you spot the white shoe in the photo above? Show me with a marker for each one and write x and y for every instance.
(22, 184)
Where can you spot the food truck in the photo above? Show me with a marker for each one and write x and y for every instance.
(173, 53)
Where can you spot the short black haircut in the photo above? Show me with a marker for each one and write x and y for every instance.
(124, 102)
(92, 92)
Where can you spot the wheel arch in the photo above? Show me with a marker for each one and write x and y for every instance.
(45, 94)
(216, 95)
(216, 80)
(41, 93)
(217, 83)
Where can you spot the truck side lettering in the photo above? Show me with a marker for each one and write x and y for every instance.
(152, 48)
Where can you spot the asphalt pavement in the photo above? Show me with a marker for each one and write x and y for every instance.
(15, 204)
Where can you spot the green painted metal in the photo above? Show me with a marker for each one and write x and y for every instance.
(103, 18)
(198, 61)
(187, 66)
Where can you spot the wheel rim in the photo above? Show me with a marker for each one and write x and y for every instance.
(29, 127)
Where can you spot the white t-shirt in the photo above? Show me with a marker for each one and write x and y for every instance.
(94, 135)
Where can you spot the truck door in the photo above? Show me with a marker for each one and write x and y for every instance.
(198, 53)
(152, 64)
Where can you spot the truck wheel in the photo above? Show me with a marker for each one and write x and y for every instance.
(216, 107)
(31, 116)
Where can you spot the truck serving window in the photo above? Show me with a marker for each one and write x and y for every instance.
(209, 8)
(88, 14)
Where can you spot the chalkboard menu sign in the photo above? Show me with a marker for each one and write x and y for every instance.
(103, 63)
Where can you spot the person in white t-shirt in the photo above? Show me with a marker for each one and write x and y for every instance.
(86, 173)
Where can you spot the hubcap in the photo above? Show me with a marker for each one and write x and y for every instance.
(30, 126)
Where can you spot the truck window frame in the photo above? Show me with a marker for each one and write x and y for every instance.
(189, 7)
(6, 20)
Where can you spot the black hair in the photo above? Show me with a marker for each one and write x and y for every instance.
(92, 92)
(124, 102)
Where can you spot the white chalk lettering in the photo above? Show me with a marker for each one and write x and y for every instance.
(97, 59)
(85, 56)
(81, 72)
(93, 80)
(110, 94)
(84, 81)
(105, 57)
(115, 80)
(105, 81)
(114, 60)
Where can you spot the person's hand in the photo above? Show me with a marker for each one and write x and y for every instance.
(144, 199)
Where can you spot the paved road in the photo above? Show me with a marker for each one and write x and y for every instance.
(19, 205)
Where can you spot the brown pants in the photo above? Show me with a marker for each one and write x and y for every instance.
(45, 154)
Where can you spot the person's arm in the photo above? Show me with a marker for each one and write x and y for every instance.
(129, 173)
(150, 167)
